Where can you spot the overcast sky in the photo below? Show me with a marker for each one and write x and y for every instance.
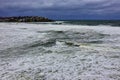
(62, 9)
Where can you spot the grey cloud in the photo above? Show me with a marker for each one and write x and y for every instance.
(97, 6)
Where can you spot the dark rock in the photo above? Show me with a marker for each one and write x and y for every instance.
(69, 43)
(72, 44)
(25, 19)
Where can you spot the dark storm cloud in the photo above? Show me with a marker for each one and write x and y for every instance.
(57, 7)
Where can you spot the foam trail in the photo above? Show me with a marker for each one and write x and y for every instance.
(48, 52)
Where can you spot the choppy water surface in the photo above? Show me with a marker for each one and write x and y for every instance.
(113, 23)
(58, 54)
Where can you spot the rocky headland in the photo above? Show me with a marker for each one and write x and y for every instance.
(25, 19)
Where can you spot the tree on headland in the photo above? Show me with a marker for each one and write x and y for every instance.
(25, 19)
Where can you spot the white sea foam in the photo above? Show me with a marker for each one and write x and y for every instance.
(28, 52)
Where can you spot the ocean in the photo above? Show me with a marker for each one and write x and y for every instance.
(60, 50)
(84, 22)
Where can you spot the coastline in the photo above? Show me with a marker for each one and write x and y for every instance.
(25, 19)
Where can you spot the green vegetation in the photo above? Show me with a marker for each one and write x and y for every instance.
(25, 19)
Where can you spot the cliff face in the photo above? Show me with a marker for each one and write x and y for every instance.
(25, 19)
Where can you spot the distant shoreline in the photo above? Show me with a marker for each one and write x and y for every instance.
(25, 19)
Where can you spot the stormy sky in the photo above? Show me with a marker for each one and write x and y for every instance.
(62, 9)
